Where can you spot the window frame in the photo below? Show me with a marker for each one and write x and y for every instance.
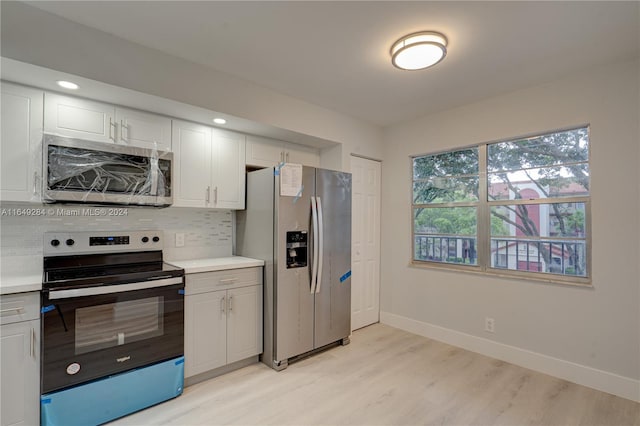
(483, 221)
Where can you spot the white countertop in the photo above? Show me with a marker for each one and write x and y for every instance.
(215, 264)
(19, 274)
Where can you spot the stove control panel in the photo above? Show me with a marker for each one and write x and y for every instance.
(66, 243)
(109, 241)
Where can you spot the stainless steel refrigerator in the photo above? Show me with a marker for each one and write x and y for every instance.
(298, 220)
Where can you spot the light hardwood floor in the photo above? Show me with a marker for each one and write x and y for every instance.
(390, 377)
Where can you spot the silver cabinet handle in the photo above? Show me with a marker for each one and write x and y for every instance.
(35, 183)
(33, 343)
(228, 280)
(112, 126)
(208, 196)
(123, 127)
(282, 156)
(215, 195)
(230, 303)
(287, 157)
(16, 310)
(222, 305)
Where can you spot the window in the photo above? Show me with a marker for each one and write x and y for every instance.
(445, 207)
(520, 205)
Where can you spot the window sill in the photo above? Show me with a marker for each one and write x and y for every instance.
(521, 276)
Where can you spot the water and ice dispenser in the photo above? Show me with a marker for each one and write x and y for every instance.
(296, 249)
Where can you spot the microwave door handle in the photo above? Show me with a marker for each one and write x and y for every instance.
(314, 266)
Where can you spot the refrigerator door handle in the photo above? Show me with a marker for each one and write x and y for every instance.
(320, 244)
(314, 266)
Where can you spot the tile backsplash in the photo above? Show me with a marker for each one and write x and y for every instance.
(208, 233)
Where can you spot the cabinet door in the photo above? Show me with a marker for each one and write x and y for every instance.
(20, 366)
(205, 341)
(143, 129)
(21, 143)
(263, 152)
(301, 154)
(228, 170)
(244, 323)
(79, 118)
(192, 164)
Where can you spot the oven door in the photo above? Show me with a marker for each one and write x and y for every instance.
(92, 336)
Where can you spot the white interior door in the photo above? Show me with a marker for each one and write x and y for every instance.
(365, 240)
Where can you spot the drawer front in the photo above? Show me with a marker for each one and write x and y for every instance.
(19, 307)
(222, 280)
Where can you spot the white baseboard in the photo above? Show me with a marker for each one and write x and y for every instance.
(581, 374)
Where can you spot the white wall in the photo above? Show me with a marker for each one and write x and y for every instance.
(37, 37)
(596, 327)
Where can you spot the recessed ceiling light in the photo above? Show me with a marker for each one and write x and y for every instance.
(220, 121)
(67, 84)
(418, 51)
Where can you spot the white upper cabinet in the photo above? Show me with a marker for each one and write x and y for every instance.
(264, 152)
(192, 164)
(102, 122)
(21, 143)
(79, 118)
(209, 167)
(301, 154)
(228, 170)
(138, 128)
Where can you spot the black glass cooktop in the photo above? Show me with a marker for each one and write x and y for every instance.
(106, 269)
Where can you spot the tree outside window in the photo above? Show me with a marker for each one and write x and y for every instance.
(519, 205)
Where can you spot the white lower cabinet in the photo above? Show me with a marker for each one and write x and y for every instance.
(244, 323)
(20, 359)
(223, 318)
(206, 332)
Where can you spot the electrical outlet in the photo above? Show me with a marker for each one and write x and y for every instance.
(179, 239)
(489, 325)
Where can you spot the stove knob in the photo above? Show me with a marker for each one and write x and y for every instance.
(55, 243)
(156, 239)
(70, 242)
(145, 239)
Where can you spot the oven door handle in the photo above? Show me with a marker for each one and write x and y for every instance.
(109, 289)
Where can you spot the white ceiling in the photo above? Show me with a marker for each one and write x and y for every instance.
(335, 54)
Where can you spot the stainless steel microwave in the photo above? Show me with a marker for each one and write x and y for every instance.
(80, 171)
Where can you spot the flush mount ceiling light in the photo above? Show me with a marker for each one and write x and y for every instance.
(220, 121)
(67, 84)
(418, 51)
